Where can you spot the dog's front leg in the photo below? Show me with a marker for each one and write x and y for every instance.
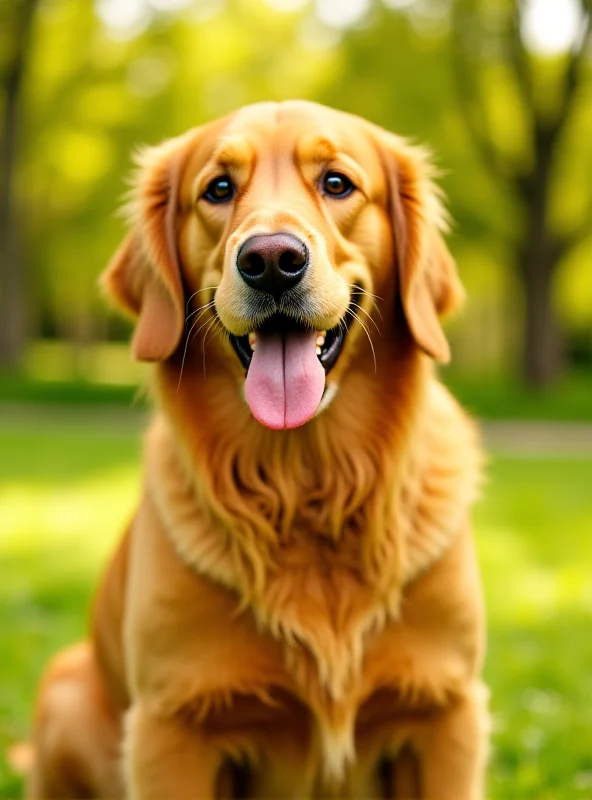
(452, 749)
(166, 758)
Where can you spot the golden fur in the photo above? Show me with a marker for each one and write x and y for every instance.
(290, 613)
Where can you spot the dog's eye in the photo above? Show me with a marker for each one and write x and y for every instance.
(220, 190)
(337, 185)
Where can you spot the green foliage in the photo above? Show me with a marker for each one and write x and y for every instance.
(93, 93)
(91, 99)
(68, 486)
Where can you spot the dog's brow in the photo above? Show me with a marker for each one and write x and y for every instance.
(234, 152)
(316, 149)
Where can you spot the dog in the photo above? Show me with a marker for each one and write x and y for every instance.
(295, 609)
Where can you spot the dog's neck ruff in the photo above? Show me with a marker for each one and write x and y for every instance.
(343, 516)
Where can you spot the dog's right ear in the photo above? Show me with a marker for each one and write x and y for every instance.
(429, 284)
(144, 276)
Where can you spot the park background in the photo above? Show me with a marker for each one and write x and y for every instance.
(501, 90)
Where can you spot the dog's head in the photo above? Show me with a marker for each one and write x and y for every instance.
(296, 229)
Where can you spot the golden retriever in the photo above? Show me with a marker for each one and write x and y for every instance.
(295, 608)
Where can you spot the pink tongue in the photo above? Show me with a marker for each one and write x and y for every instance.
(286, 380)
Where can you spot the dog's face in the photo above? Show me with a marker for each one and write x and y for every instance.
(283, 223)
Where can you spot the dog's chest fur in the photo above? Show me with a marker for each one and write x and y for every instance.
(315, 602)
(319, 605)
(323, 612)
(324, 598)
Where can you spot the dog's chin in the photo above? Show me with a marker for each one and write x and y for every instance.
(287, 362)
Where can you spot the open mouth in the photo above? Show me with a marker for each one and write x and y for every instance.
(328, 344)
(286, 364)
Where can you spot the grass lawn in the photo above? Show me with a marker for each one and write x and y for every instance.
(68, 484)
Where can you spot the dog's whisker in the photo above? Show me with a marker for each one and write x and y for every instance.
(374, 298)
(342, 326)
(185, 352)
(367, 332)
(201, 309)
(205, 289)
(357, 287)
(214, 322)
(363, 310)
(202, 326)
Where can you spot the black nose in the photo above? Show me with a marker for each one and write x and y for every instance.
(273, 262)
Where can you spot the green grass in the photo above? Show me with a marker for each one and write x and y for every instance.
(66, 489)
(533, 533)
(505, 397)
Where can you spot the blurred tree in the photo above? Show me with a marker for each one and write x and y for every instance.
(394, 68)
(104, 75)
(101, 81)
(491, 58)
(16, 21)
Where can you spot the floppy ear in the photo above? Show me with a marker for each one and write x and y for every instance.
(144, 277)
(429, 283)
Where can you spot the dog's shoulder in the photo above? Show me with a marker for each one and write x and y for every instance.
(442, 480)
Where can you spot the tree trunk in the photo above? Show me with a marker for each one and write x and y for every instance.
(12, 283)
(542, 355)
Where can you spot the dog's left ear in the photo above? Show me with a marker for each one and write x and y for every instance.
(429, 284)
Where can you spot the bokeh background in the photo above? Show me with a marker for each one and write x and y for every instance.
(501, 90)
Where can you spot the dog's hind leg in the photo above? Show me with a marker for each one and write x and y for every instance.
(77, 732)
